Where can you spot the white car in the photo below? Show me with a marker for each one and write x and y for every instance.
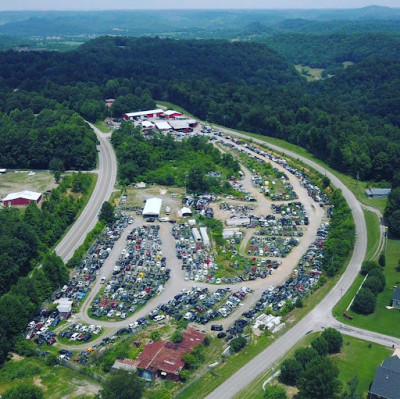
(159, 317)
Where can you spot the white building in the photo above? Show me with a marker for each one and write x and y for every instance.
(152, 207)
(204, 236)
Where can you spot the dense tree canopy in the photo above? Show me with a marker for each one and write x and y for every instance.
(53, 136)
(122, 385)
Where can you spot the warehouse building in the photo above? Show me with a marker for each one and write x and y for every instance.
(130, 116)
(22, 198)
(377, 192)
(152, 207)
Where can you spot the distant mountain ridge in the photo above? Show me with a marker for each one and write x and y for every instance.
(171, 22)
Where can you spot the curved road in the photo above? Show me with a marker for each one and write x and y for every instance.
(321, 316)
(86, 221)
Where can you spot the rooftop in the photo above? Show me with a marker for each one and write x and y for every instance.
(386, 383)
(29, 195)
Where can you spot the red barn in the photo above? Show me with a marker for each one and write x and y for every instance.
(22, 198)
(171, 114)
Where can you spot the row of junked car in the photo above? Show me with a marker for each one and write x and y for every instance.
(138, 275)
(80, 332)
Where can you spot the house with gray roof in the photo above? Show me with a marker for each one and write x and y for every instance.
(386, 383)
(377, 192)
(396, 298)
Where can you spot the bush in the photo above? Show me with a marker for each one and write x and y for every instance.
(23, 391)
(155, 336)
(374, 284)
(237, 344)
(275, 392)
(177, 337)
(334, 339)
(364, 302)
(367, 266)
(382, 260)
(184, 375)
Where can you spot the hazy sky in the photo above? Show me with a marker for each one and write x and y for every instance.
(6, 5)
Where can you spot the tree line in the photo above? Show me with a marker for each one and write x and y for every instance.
(350, 120)
(26, 240)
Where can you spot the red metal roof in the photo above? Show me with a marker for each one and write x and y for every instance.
(167, 356)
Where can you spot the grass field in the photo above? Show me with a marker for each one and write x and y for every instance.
(102, 127)
(311, 74)
(19, 181)
(348, 362)
(383, 320)
(359, 358)
(56, 381)
(373, 232)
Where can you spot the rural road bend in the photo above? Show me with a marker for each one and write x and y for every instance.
(86, 221)
(321, 315)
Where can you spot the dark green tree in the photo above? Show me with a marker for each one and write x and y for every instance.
(320, 345)
(290, 371)
(237, 344)
(334, 339)
(364, 302)
(106, 214)
(319, 380)
(352, 392)
(275, 392)
(374, 284)
(122, 385)
(305, 355)
(382, 260)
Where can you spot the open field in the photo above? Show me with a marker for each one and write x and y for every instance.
(311, 74)
(20, 181)
(373, 231)
(103, 127)
(383, 320)
(56, 381)
(347, 361)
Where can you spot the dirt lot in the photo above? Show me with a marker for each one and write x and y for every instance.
(137, 196)
(19, 181)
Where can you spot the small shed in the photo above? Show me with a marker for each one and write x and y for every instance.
(152, 207)
(141, 185)
(396, 298)
(377, 192)
(186, 212)
(64, 305)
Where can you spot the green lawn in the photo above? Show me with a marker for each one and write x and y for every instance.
(102, 127)
(383, 320)
(373, 231)
(358, 358)
(56, 381)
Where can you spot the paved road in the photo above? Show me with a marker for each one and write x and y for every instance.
(107, 174)
(320, 316)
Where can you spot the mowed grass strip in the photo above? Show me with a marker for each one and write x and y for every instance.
(373, 232)
(383, 320)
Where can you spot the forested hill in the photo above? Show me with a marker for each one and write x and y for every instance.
(351, 120)
(149, 59)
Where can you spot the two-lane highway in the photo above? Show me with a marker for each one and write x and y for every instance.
(86, 221)
(320, 316)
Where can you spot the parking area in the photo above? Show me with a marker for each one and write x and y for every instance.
(139, 273)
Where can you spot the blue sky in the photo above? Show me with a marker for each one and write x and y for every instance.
(6, 5)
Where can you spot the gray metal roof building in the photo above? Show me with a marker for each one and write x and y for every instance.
(378, 192)
(386, 384)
